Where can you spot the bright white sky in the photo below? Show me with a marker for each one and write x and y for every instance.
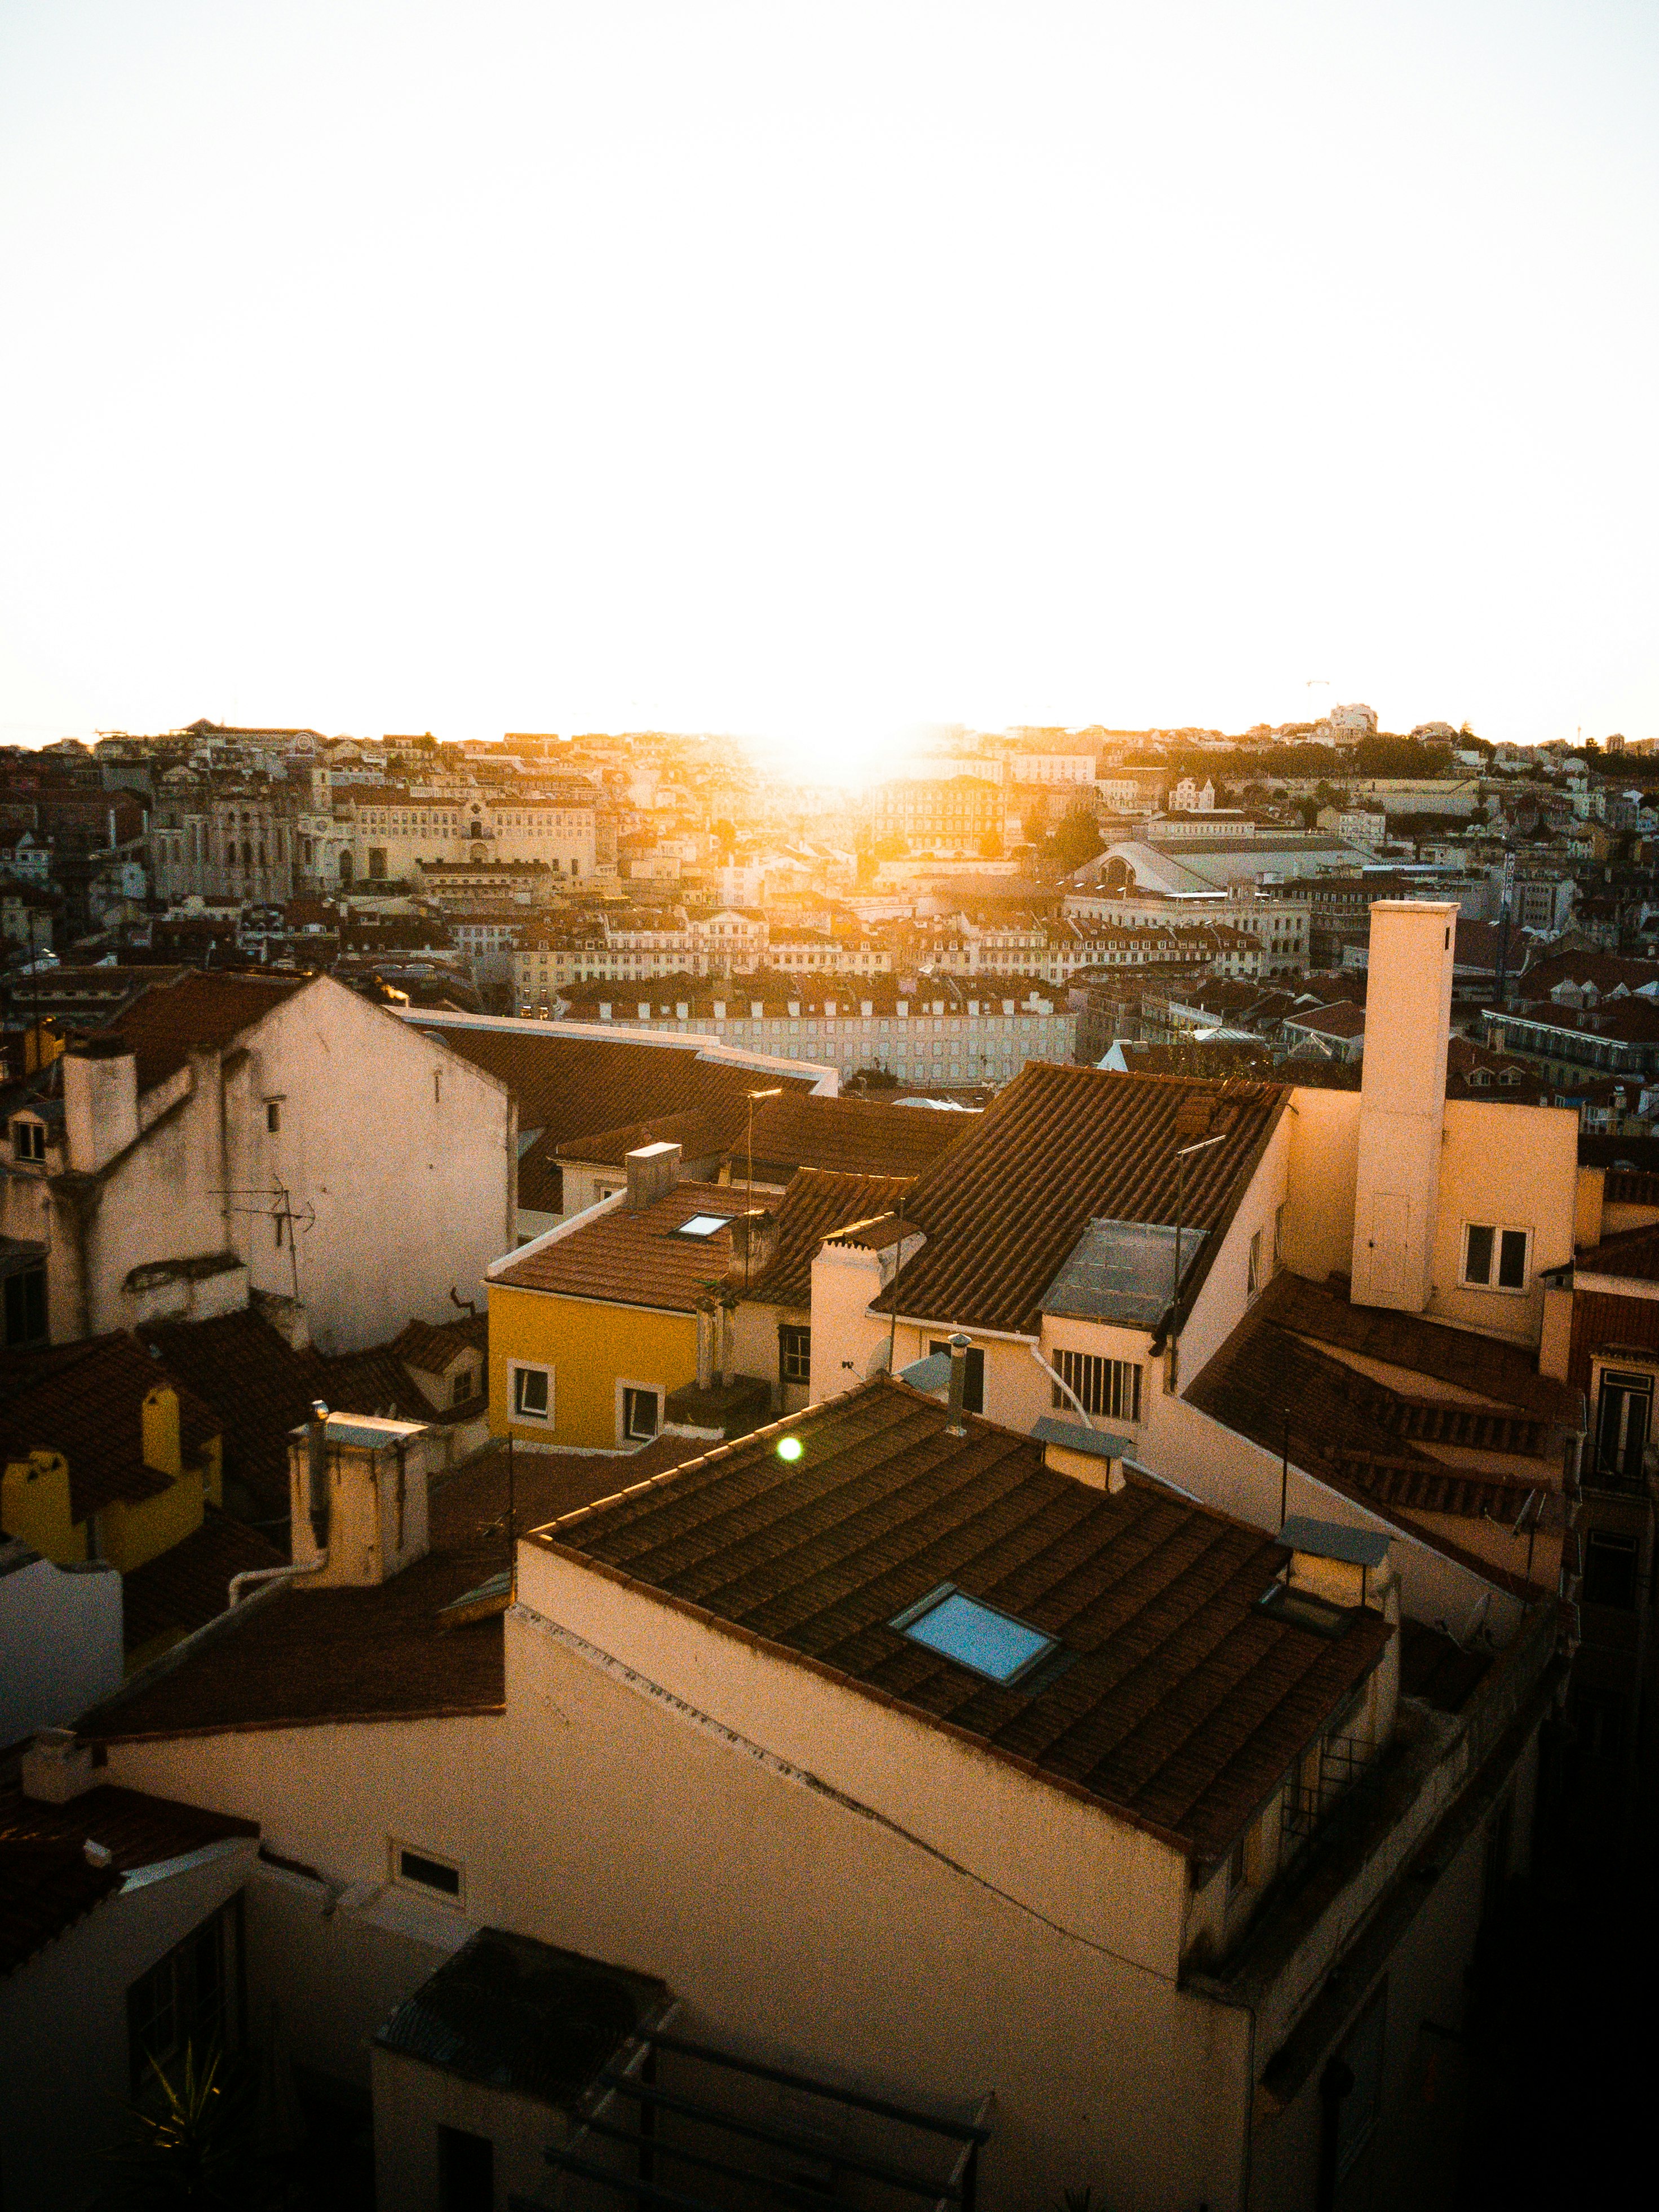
(811, 371)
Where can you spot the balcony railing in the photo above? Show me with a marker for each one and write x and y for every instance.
(1326, 1793)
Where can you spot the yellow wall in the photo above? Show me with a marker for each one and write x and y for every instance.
(590, 1348)
(35, 1504)
(131, 1534)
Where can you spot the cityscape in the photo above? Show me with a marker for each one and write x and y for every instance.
(823, 1448)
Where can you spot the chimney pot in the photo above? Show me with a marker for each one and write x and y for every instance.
(957, 1426)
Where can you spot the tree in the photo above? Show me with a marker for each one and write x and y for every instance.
(192, 2141)
(990, 845)
(1078, 839)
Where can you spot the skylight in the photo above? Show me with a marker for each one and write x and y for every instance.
(976, 1636)
(703, 1224)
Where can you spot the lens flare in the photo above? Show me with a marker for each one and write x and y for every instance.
(790, 1448)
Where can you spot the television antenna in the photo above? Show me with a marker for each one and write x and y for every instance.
(275, 1205)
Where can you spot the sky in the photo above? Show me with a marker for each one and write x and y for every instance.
(813, 371)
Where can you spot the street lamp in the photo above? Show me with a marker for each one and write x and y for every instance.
(777, 1091)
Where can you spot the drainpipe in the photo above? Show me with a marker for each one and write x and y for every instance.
(1060, 1383)
(250, 1575)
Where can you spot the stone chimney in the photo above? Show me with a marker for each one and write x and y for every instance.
(754, 1247)
(100, 1102)
(1402, 1103)
(357, 1498)
(652, 1169)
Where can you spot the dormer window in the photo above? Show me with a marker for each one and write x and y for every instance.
(28, 1140)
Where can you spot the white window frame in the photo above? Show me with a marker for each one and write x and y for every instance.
(1499, 1230)
(515, 1408)
(624, 1385)
(412, 1886)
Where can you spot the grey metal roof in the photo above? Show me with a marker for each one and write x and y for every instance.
(932, 1373)
(1071, 1435)
(1335, 1539)
(515, 2014)
(1122, 1270)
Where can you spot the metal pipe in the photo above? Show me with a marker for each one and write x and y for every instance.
(249, 1575)
(1060, 1383)
(957, 1426)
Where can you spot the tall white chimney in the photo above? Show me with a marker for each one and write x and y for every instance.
(1402, 1102)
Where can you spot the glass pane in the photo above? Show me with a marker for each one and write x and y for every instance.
(703, 1224)
(1476, 1266)
(977, 1637)
(533, 1390)
(1512, 1260)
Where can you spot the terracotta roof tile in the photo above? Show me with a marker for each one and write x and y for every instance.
(636, 1259)
(197, 1012)
(699, 1134)
(1005, 1206)
(850, 1136)
(813, 1206)
(305, 1657)
(1184, 1703)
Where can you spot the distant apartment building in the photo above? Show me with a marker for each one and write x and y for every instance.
(239, 842)
(1074, 770)
(398, 828)
(1277, 920)
(959, 813)
(933, 1031)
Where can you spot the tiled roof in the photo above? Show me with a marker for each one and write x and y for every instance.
(86, 1401)
(1185, 1703)
(1604, 1321)
(185, 1588)
(813, 1206)
(431, 1347)
(1061, 1147)
(1375, 1443)
(699, 1135)
(309, 1655)
(45, 1882)
(1633, 1253)
(1338, 1021)
(851, 1136)
(570, 1087)
(198, 1012)
(636, 1259)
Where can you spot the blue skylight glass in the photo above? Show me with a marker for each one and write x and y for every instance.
(993, 1644)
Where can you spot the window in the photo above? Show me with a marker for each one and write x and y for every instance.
(188, 1996)
(1236, 1868)
(532, 1393)
(26, 1308)
(28, 1140)
(462, 1387)
(703, 1224)
(1495, 1258)
(973, 1393)
(1252, 1282)
(975, 1636)
(1624, 1420)
(421, 1871)
(1609, 1569)
(794, 1354)
(641, 1414)
(1279, 1236)
(1108, 1387)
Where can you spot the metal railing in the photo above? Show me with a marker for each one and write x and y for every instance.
(1329, 1784)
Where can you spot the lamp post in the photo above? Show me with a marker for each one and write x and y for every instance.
(777, 1091)
(1181, 1159)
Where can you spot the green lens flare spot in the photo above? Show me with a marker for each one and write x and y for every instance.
(790, 1448)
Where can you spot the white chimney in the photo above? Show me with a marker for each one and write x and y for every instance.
(100, 1102)
(652, 1169)
(1402, 1102)
(357, 1494)
(58, 1767)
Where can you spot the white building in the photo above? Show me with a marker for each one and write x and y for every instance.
(236, 1134)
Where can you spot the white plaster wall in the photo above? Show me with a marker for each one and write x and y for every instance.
(64, 2075)
(413, 1186)
(60, 1644)
(1322, 1169)
(605, 1817)
(412, 2101)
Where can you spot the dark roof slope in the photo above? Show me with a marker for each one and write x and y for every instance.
(310, 1655)
(46, 1883)
(184, 1589)
(1631, 1253)
(86, 1401)
(1005, 1206)
(198, 1012)
(698, 1134)
(1184, 1704)
(852, 1136)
